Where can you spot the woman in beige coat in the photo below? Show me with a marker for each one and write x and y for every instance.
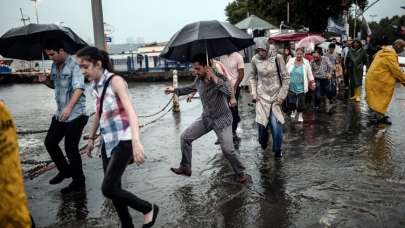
(269, 83)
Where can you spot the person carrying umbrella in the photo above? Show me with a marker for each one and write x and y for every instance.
(214, 91)
(269, 82)
(70, 117)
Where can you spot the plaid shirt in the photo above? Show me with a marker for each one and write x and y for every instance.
(114, 121)
(321, 68)
(214, 99)
(66, 81)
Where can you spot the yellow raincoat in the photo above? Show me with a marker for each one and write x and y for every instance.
(381, 78)
(13, 201)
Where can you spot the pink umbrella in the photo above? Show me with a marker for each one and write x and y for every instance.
(309, 42)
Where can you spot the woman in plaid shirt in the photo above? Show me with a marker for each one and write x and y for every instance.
(119, 128)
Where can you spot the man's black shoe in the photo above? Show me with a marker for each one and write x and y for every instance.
(278, 154)
(58, 178)
(74, 187)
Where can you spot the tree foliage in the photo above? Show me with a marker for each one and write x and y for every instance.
(388, 27)
(308, 13)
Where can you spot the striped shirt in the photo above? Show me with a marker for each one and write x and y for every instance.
(114, 121)
(214, 98)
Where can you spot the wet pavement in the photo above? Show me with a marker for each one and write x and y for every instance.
(337, 171)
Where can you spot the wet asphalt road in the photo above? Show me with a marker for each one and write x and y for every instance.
(337, 171)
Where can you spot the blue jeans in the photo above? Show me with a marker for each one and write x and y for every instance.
(276, 133)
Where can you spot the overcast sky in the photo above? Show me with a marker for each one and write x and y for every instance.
(132, 20)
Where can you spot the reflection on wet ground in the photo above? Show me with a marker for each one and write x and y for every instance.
(337, 170)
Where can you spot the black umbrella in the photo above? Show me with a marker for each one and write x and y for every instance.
(27, 42)
(214, 38)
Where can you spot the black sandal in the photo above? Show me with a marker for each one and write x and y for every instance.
(155, 214)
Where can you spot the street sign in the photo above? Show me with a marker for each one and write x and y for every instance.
(108, 39)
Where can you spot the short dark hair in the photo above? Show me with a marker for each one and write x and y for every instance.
(200, 58)
(332, 45)
(358, 42)
(318, 50)
(53, 44)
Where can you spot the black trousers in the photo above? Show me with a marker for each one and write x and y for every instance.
(296, 101)
(72, 132)
(322, 89)
(114, 167)
(235, 112)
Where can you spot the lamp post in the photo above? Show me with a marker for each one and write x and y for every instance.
(98, 24)
(132, 60)
(36, 14)
(36, 9)
(281, 25)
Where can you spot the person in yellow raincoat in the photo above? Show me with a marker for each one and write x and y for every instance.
(13, 201)
(381, 79)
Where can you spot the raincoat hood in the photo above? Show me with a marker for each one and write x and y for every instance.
(387, 51)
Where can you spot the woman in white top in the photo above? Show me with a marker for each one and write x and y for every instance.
(301, 79)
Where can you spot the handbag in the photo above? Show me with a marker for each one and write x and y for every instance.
(284, 105)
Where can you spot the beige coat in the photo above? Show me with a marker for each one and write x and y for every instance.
(265, 84)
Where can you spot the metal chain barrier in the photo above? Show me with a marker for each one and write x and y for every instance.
(46, 165)
(161, 110)
(31, 132)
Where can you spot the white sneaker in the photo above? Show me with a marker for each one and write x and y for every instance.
(293, 114)
(300, 119)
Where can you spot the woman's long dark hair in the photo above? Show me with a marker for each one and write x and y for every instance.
(93, 54)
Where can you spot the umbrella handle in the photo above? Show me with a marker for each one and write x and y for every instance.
(206, 53)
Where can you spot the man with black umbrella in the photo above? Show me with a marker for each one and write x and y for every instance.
(70, 117)
(214, 92)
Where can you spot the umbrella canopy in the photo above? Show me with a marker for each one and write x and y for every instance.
(214, 38)
(255, 23)
(325, 45)
(294, 36)
(310, 42)
(27, 42)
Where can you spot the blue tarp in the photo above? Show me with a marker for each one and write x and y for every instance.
(335, 26)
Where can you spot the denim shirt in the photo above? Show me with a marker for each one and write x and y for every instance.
(65, 82)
